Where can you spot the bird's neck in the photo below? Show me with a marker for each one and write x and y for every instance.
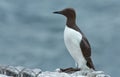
(71, 22)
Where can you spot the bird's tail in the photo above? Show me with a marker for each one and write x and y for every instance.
(90, 63)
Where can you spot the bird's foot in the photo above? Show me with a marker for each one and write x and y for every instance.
(69, 70)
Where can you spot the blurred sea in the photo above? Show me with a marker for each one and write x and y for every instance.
(32, 36)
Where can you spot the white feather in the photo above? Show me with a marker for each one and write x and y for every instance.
(72, 40)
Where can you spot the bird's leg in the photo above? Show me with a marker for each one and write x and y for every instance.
(76, 64)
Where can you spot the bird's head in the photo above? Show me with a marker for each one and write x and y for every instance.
(68, 12)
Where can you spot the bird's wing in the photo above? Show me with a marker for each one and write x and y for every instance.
(85, 47)
(86, 50)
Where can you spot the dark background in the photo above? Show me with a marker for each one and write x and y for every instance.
(32, 36)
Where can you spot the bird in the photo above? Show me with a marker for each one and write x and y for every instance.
(76, 41)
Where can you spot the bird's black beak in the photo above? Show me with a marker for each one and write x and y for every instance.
(57, 12)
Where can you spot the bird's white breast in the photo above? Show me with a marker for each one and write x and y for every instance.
(72, 40)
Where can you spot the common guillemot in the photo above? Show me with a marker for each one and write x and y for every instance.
(75, 41)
